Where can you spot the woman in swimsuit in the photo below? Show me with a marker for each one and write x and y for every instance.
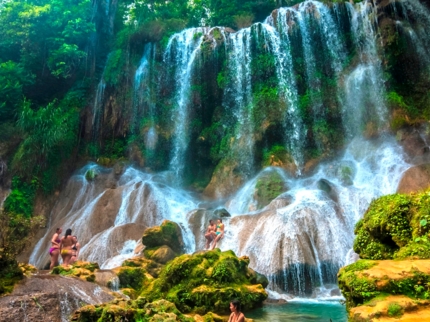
(75, 250)
(210, 233)
(236, 315)
(66, 247)
(219, 233)
(54, 251)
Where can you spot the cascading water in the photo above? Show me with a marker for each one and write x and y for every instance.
(302, 237)
(239, 98)
(144, 112)
(181, 52)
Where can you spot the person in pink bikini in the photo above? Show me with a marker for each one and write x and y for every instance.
(54, 251)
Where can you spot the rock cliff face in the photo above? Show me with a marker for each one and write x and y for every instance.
(50, 298)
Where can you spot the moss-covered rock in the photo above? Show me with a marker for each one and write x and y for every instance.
(268, 187)
(161, 254)
(168, 233)
(150, 266)
(395, 226)
(137, 310)
(207, 281)
(387, 288)
(83, 270)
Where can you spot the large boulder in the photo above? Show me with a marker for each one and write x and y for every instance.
(207, 281)
(377, 290)
(50, 298)
(268, 186)
(415, 179)
(395, 226)
(168, 233)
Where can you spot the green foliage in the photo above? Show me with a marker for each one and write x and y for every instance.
(268, 187)
(395, 310)
(21, 198)
(15, 232)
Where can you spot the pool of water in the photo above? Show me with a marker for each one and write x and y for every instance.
(300, 312)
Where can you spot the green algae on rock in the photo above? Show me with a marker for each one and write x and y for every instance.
(395, 226)
(387, 288)
(83, 270)
(207, 281)
(167, 234)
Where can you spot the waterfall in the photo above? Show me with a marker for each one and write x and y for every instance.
(144, 112)
(364, 98)
(98, 107)
(181, 52)
(239, 98)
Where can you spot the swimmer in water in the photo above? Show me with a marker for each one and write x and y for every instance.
(54, 251)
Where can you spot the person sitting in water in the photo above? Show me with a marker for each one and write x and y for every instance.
(236, 314)
(76, 247)
(54, 251)
(219, 233)
(66, 247)
(210, 233)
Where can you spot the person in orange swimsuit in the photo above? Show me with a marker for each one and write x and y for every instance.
(54, 251)
(236, 314)
(66, 247)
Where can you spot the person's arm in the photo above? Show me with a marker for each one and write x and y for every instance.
(241, 318)
(230, 319)
(61, 244)
(78, 248)
(54, 238)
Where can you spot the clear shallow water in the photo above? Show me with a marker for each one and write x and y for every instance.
(300, 312)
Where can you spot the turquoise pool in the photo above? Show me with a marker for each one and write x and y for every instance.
(298, 311)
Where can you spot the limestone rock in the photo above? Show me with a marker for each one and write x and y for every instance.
(225, 180)
(207, 281)
(221, 213)
(161, 255)
(415, 179)
(50, 298)
(269, 186)
(386, 289)
(199, 222)
(168, 233)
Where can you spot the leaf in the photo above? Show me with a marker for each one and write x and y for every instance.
(423, 222)
(417, 239)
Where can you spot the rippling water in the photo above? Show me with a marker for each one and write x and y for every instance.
(300, 312)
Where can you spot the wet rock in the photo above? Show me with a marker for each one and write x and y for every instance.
(225, 180)
(414, 141)
(281, 201)
(415, 179)
(168, 233)
(150, 266)
(199, 222)
(329, 188)
(161, 255)
(207, 281)
(221, 213)
(269, 186)
(275, 301)
(50, 298)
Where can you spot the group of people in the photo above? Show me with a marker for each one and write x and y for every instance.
(214, 233)
(68, 246)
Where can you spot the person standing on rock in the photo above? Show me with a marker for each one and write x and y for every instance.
(236, 314)
(66, 247)
(54, 251)
(219, 233)
(210, 233)
(75, 250)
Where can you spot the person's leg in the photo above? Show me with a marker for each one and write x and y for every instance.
(54, 258)
(215, 241)
(209, 238)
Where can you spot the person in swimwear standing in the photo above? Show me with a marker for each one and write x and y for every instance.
(219, 233)
(76, 247)
(54, 251)
(210, 233)
(66, 247)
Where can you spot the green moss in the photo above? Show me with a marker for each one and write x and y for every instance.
(268, 187)
(131, 277)
(168, 233)
(394, 310)
(83, 270)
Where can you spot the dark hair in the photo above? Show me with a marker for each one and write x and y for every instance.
(68, 233)
(236, 304)
(220, 219)
(211, 220)
(57, 230)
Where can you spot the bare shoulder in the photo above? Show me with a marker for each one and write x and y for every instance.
(241, 318)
